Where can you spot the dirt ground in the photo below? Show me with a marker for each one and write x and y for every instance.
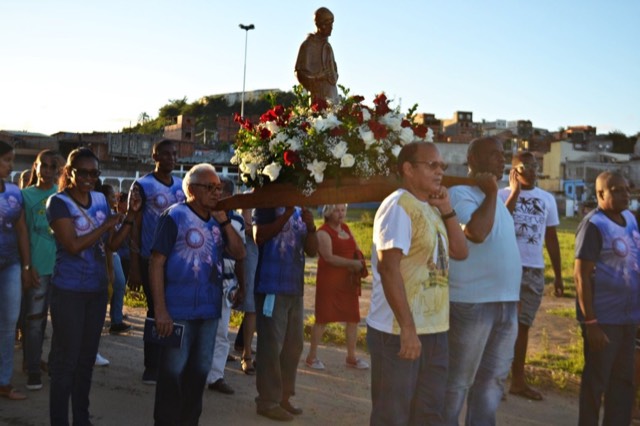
(338, 395)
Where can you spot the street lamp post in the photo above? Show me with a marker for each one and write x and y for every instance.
(246, 28)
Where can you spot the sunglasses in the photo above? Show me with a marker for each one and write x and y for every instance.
(433, 165)
(210, 187)
(84, 173)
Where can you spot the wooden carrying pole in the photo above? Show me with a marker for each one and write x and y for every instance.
(349, 190)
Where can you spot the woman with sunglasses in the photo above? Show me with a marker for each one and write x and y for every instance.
(83, 227)
(41, 185)
(14, 251)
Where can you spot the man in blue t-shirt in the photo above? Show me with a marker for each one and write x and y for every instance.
(158, 191)
(607, 275)
(185, 274)
(283, 236)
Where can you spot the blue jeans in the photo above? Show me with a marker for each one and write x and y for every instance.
(481, 341)
(280, 342)
(77, 319)
(36, 309)
(118, 285)
(10, 295)
(608, 372)
(405, 392)
(183, 374)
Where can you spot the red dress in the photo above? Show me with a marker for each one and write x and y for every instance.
(336, 295)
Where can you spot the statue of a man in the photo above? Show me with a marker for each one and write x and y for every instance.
(316, 67)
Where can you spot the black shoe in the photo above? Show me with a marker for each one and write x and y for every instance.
(221, 386)
(34, 382)
(291, 408)
(275, 413)
(119, 328)
(149, 377)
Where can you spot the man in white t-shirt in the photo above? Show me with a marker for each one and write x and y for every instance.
(414, 233)
(484, 290)
(535, 217)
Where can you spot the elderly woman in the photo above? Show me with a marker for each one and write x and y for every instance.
(337, 284)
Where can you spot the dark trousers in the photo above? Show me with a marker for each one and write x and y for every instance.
(151, 350)
(280, 342)
(77, 319)
(608, 372)
(407, 392)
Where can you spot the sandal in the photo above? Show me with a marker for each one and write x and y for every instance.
(247, 366)
(12, 393)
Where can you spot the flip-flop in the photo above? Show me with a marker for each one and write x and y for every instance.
(12, 393)
(527, 393)
(247, 366)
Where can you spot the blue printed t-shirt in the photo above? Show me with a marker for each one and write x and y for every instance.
(85, 271)
(41, 241)
(281, 259)
(615, 249)
(156, 198)
(193, 247)
(11, 204)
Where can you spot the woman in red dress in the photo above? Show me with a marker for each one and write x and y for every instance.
(337, 284)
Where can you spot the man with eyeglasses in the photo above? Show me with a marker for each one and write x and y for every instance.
(414, 234)
(484, 291)
(158, 190)
(186, 273)
(535, 216)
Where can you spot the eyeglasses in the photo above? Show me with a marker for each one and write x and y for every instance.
(210, 187)
(530, 166)
(84, 173)
(433, 165)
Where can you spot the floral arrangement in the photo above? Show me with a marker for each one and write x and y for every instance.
(306, 143)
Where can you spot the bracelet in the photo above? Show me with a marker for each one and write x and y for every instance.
(591, 321)
(225, 223)
(449, 215)
(127, 222)
(26, 267)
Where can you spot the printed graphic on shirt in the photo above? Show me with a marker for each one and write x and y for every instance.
(195, 247)
(530, 217)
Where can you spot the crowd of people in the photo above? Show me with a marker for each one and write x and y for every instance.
(447, 325)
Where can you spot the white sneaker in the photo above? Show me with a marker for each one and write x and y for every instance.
(316, 364)
(360, 364)
(101, 361)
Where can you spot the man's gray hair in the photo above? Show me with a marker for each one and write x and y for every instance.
(192, 177)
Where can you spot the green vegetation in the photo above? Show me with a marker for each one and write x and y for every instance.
(561, 365)
(335, 333)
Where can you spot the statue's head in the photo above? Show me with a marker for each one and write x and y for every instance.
(324, 21)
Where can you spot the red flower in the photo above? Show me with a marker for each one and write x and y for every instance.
(278, 110)
(268, 116)
(380, 131)
(290, 158)
(319, 105)
(305, 126)
(242, 122)
(382, 104)
(405, 123)
(420, 131)
(336, 131)
(265, 134)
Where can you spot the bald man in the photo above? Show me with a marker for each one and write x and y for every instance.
(607, 277)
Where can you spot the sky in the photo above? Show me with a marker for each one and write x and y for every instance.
(82, 66)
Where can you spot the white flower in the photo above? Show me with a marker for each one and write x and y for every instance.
(249, 168)
(272, 127)
(395, 150)
(317, 170)
(366, 135)
(406, 135)
(347, 160)
(339, 150)
(272, 170)
(366, 115)
(429, 136)
(294, 144)
(326, 123)
(392, 120)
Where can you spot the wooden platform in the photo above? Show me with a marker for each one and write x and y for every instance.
(350, 190)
